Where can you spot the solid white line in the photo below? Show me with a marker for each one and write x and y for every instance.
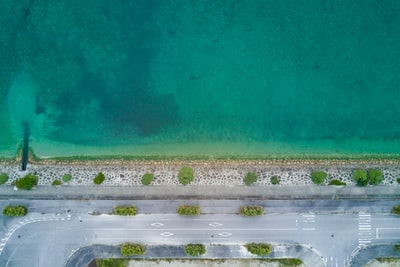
(308, 229)
(191, 229)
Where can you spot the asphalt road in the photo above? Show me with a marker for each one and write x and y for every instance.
(49, 239)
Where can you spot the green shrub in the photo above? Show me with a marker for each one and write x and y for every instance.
(185, 175)
(251, 210)
(336, 182)
(275, 180)
(19, 210)
(396, 209)
(131, 249)
(360, 177)
(66, 177)
(250, 178)
(3, 178)
(318, 177)
(111, 262)
(398, 180)
(27, 182)
(56, 182)
(195, 250)
(375, 177)
(397, 247)
(99, 179)
(125, 211)
(147, 178)
(260, 249)
(188, 210)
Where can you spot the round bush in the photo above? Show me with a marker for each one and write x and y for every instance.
(147, 178)
(3, 178)
(375, 177)
(99, 179)
(396, 209)
(27, 182)
(185, 175)
(275, 180)
(360, 177)
(250, 178)
(66, 177)
(318, 177)
(195, 250)
(398, 180)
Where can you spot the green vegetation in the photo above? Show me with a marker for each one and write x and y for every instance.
(250, 178)
(125, 211)
(251, 210)
(275, 180)
(66, 177)
(185, 175)
(195, 250)
(375, 177)
(388, 260)
(188, 210)
(99, 179)
(396, 209)
(132, 249)
(56, 182)
(360, 177)
(3, 178)
(27, 182)
(112, 262)
(260, 249)
(398, 180)
(336, 182)
(147, 178)
(13, 211)
(397, 247)
(318, 177)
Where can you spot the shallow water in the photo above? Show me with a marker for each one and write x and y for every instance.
(205, 77)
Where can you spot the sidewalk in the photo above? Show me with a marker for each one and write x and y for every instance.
(204, 192)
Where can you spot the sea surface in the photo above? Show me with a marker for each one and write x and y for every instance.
(257, 78)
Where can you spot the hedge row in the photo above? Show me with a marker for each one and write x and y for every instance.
(125, 210)
(188, 210)
(13, 211)
(251, 210)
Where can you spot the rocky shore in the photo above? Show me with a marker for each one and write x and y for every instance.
(207, 172)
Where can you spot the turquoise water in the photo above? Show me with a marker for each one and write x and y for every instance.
(203, 77)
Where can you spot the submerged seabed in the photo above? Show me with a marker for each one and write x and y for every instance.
(201, 78)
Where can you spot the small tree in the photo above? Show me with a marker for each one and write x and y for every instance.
(195, 250)
(396, 209)
(318, 177)
(132, 249)
(147, 178)
(188, 210)
(260, 249)
(274, 180)
(397, 247)
(27, 182)
(251, 210)
(99, 179)
(250, 178)
(375, 177)
(66, 177)
(13, 211)
(125, 211)
(185, 175)
(3, 178)
(360, 177)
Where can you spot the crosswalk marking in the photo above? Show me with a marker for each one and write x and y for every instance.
(364, 229)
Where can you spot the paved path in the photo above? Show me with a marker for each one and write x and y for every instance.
(204, 192)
